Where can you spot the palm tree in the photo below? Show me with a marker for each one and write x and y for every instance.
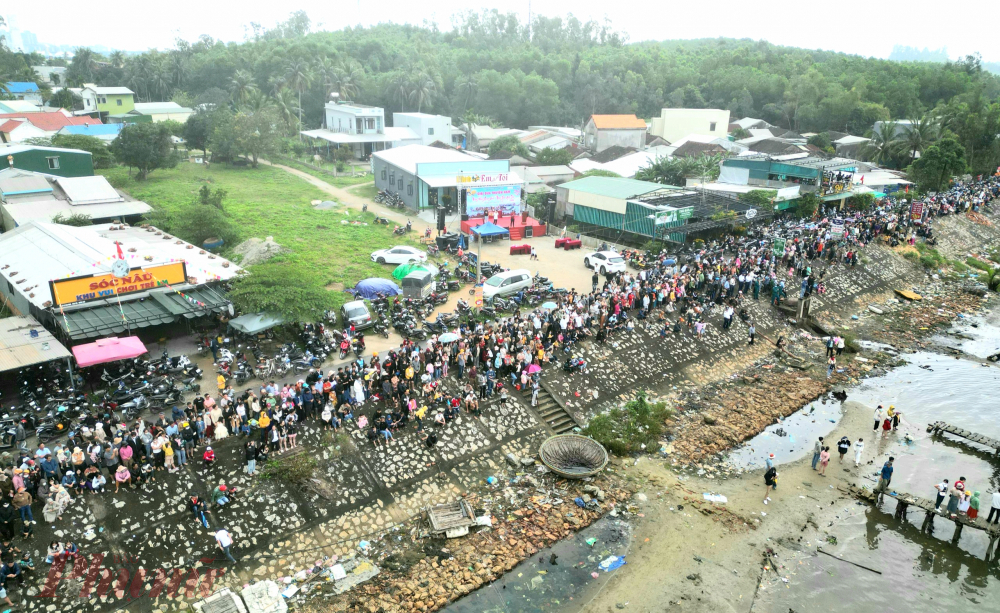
(241, 85)
(161, 81)
(399, 90)
(178, 69)
(117, 58)
(918, 135)
(255, 101)
(884, 143)
(468, 85)
(345, 79)
(298, 76)
(284, 102)
(325, 72)
(422, 89)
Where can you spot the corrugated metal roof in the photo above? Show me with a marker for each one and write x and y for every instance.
(19, 349)
(613, 187)
(618, 122)
(15, 182)
(21, 87)
(407, 157)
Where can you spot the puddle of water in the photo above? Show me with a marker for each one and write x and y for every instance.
(791, 439)
(980, 335)
(567, 585)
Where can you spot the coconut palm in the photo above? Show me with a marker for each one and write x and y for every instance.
(398, 90)
(284, 102)
(241, 85)
(422, 90)
(255, 101)
(345, 80)
(919, 135)
(324, 72)
(178, 69)
(467, 85)
(117, 58)
(298, 75)
(884, 143)
(161, 81)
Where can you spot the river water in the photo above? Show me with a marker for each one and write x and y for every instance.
(921, 572)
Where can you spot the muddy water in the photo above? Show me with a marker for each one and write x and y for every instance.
(921, 572)
(538, 585)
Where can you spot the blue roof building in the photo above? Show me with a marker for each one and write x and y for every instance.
(106, 132)
(24, 90)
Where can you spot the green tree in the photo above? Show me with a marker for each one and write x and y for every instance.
(100, 155)
(599, 172)
(197, 130)
(739, 133)
(256, 135)
(298, 75)
(242, 85)
(759, 198)
(508, 144)
(939, 162)
(74, 219)
(144, 147)
(553, 157)
(283, 287)
(63, 99)
(861, 202)
(807, 205)
(918, 136)
(884, 143)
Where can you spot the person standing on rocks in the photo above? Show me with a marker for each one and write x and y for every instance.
(885, 476)
(224, 540)
(817, 450)
(752, 331)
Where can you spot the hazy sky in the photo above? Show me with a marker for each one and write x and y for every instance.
(868, 28)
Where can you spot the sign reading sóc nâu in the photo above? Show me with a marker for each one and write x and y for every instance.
(101, 286)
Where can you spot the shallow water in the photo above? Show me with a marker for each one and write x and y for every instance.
(538, 585)
(790, 439)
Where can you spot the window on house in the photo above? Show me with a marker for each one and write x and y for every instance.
(103, 100)
(370, 124)
(400, 182)
(384, 173)
(711, 127)
(392, 178)
(119, 101)
(53, 163)
(430, 131)
(409, 189)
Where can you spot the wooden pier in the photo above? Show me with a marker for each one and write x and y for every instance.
(904, 501)
(940, 427)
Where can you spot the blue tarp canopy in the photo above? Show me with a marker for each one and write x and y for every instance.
(489, 229)
(371, 288)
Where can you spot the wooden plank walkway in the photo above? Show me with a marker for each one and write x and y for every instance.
(904, 501)
(940, 427)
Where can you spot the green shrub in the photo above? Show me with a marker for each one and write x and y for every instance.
(296, 469)
(978, 264)
(624, 430)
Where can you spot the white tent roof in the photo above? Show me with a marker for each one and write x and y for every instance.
(89, 190)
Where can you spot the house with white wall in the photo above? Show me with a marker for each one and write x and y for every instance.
(603, 131)
(361, 128)
(675, 124)
(430, 128)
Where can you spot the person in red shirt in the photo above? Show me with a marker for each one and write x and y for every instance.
(209, 457)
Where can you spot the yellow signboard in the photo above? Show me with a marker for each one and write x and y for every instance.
(478, 301)
(101, 286)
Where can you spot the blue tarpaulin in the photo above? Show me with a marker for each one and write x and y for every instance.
(371, 288)
(489, 229)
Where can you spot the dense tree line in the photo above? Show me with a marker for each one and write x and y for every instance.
(495, 69)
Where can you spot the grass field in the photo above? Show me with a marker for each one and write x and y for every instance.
(365, 191)
(270, 202)
(342, 181)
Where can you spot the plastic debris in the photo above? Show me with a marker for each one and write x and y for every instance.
(612, 562)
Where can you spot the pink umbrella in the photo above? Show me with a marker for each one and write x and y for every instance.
(534, 368)
(108, 350)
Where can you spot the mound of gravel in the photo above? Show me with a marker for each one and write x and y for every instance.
(255, 250)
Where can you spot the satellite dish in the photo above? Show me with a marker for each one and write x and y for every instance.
(120, 268)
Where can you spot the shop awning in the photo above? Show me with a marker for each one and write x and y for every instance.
(255, 322)
(108, 350)
(159, 307)
(23, 342)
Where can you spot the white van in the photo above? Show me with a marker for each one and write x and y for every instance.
(506, 283)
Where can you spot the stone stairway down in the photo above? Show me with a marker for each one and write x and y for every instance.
(550, 410)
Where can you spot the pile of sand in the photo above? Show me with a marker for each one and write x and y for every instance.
(255, 250)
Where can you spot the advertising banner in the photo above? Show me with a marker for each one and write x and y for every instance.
(101, 286)
(916, 210)
(482, 200)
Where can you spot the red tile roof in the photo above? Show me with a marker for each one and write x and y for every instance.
(51, 121)
(618, 122)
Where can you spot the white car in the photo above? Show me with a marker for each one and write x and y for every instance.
(399, 255)
(605, 262)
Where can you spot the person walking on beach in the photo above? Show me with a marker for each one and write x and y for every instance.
(859, 448)
(942, 490)
(824, 459)
(817, 449)
(843, 445)
(878, 418)
(885, 476)
(770, 481)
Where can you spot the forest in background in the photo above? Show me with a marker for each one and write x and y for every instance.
(492, 68)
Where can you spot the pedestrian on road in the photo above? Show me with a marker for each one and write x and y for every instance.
(859, 448)
(594, 281)
(225, 541)
(817, 449)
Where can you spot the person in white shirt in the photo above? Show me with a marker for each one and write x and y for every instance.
(878, 417)
(859, 448)
(225, 541)
(942, 490)
(995, 509)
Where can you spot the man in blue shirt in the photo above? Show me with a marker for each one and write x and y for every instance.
(885, 477)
